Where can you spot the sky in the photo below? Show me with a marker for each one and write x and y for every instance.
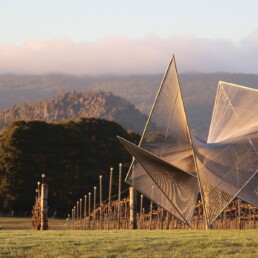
(128, 37)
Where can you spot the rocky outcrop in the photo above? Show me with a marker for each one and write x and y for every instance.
(73, 105)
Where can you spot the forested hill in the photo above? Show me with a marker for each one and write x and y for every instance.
(73, 105)
(72, 154)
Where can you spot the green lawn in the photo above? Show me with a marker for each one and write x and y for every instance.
(141, 243)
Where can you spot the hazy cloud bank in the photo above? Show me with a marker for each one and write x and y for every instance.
(117, 55)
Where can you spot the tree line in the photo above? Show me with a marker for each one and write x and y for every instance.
(72, 154)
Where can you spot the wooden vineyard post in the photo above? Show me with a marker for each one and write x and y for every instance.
(74, 211)
(162, 217)
(38, 190)
(81, 213)
(168, 219)
(94, 204)
(85, 206)
(141, 207)
(254, 214)
(89, 208)
(143, 220)
(119, 194)
(239, 212)
(109, 194)
(76, 215)
(77, 209)
(72, 218)
(68, 220)
(133, 214)
(100, 202)
(43, 205)
(151, 207)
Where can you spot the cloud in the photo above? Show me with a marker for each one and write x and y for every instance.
(118, 55)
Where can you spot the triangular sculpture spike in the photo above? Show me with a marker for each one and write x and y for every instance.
(231, 154)
(166, 135)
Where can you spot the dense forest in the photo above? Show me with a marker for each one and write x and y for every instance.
(72, 154)
(73, 105)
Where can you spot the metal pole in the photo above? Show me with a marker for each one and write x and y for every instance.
(239, 202)
(38, 190)
(151, 207)
(100, 200)
(37, 195)
(119, 193)
(89, 208)
(100, 189)
(78, 209)
(94, 202)
(74, 210)
(110, 186)
(141, 206)
(81, 212)
(85, 206)
(43, 178)
(73, 218)
(109, 194)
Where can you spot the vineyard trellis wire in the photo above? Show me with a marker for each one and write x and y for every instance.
(110, 213)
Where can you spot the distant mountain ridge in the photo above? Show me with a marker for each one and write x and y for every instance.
(74, 105)
(199, 90)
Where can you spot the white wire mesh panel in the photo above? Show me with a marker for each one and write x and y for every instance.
(145, 185)
(167, 136)
(235, 113)
(224, 169)
(229, 161)
(250, 192)
(179, 187)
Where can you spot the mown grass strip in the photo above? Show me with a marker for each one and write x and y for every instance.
(156, 243)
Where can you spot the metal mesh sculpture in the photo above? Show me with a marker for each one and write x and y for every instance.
(171, 166)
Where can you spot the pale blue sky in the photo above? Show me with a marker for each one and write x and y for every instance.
(125, 37)
(82, 20)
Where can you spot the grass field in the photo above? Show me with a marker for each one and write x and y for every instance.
(13, 223)
(140, 243)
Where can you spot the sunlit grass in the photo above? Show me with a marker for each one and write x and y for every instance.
(14, 223)
(139, 243)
